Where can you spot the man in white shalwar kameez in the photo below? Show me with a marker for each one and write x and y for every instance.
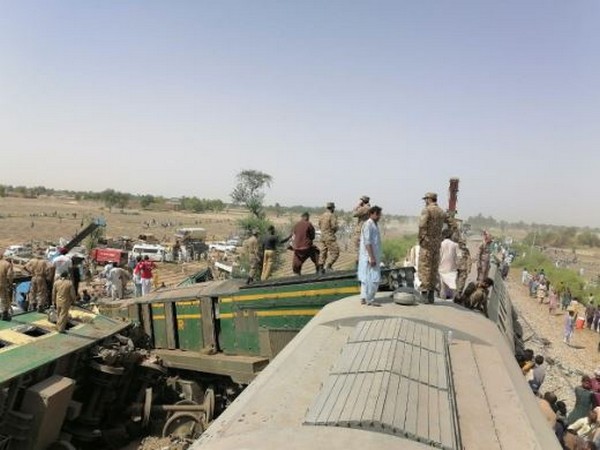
(369, 258)
(448, 266)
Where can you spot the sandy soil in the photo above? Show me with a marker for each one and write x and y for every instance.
(544, 334)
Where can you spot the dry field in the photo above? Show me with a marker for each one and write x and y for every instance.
(48, 219)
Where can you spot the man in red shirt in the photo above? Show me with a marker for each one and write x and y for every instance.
(303, 235)
(144, 268)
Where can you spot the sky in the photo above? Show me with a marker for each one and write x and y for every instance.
(333, 99)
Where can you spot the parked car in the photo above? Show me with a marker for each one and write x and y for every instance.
(20, 251)
(221, 246)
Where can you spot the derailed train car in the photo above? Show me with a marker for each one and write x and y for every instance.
(412, 377)
(231, 329)
(166, 363)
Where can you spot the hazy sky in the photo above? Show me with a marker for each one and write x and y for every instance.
(334, 99)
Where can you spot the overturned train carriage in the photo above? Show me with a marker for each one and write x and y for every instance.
(231, 329)
(48, 379)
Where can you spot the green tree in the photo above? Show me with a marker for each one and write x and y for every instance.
(146, 200)
(249, 191)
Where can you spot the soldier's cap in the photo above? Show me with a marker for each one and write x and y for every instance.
(330, 205)
(365, 198)
(305, 214)
(254, 231)
(63, 251)
(431, 195)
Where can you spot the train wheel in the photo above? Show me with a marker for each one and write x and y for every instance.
(209, 404)
(184, 425)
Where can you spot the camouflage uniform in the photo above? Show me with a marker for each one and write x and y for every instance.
(463, 268)
(252, 250)
(361, 213)
(63, 296)
(329, 226)
(38, 295)
(430, 238)
(6, 279)
(483, 261)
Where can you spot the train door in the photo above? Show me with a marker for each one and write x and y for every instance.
(209, 325)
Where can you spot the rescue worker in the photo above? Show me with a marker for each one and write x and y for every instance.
(303, 235)
(63, 296)
(463, 267)
(361, 212)
(252, 250)
(6, 280)
(330, 250)
(38, 294)
(431, 224)
(118, 278)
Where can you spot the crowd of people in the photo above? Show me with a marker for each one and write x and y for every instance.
(578, 429)
(560, 300)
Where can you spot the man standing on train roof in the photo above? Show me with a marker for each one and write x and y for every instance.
(484, 255)
(6, 280)
(63, 296)
(38, 293)
(361, 212)
(303, 235)
(252, 251)
(431, 224)
(369, 258)
(330, 250)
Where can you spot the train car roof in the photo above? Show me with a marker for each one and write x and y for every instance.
(214, 288)
(363, 377)
(30, 341)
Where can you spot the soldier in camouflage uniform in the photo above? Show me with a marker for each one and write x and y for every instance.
(463, 267)
(252, 250)
(6, 280)
(38, 294)
(330, 248)
(483, 257)
(430, 237)
(361, 212)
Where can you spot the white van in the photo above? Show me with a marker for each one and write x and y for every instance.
(152, 251)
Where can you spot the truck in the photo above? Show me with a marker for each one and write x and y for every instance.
(104, 256)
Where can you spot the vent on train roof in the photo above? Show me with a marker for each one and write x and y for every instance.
(392, 376)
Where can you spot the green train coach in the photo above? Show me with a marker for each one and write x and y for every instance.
(225, 327)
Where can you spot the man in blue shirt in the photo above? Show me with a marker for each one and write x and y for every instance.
(369, 258)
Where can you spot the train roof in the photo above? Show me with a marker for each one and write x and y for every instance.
(363, 377)
(30, 341)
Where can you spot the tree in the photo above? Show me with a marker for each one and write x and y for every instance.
(249, 190)
(146, 200)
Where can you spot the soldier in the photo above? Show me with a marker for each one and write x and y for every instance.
(329, 226)
(361, 212)
(476, 295)
(38, 295)
(462, 268)
(63, 296)
(6, 280)
(483, 257)
(430, 237)
(252, 250)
